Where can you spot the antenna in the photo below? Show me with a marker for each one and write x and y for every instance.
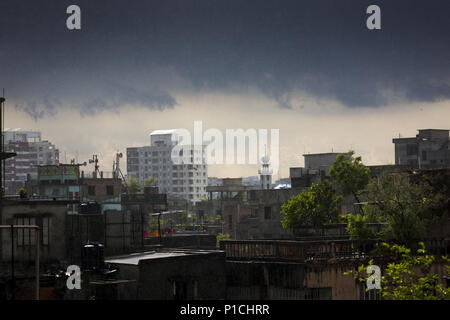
(116, 166)
(96, 166)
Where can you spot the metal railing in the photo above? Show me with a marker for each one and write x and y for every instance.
(310, 251)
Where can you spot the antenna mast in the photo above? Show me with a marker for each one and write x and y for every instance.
(116, 166)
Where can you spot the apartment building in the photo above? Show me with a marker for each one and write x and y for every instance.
(429, 148)
(185, 180)
(31, 151)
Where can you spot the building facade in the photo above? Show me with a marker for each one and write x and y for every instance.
(31, 151)
(429, 148)
(185, 180)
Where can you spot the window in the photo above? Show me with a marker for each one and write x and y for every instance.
(25, 236)
(424, 155)
(267, 213)
(110, 190)
(45, 231)
(91, 190)
(411, 149)
(230, 222)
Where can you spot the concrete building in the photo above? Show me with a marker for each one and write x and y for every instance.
(214, 181)
(321, 161)
(65, 182)
(317, 167)
(173, 274)
(429, 148)
(31, 151)
(247, 213)
(307, 270)
(187, 181)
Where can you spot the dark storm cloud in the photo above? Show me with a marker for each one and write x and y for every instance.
(125, 47)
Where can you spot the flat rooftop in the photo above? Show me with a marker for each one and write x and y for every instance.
(135, 258)
(163, 132)
(323, 154)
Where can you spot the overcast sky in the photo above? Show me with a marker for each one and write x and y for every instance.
(309, 68)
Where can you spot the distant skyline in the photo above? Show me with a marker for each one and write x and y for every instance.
(309, 68)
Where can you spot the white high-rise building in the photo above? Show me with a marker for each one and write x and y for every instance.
(31, 151)
(186, 180)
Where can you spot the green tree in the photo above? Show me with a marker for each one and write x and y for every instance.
(221, 236)
(314, 207)
(358, 227)
(149, 182)
(350, 174)
(133, 185)
(408, 208)
(22, 193)
(194, 218)
(153, 223)
(207, 219)
(407, 276)
(183, 219)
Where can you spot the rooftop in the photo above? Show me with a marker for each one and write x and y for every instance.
(323, 154)
(135, 258)
(157, 132)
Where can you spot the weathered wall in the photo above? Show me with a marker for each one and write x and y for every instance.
(208, 270)
(343, 287)
(55, 250)
(264, 280)
(117, 232)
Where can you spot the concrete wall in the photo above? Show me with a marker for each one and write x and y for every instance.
(100, 185)
(55, 250)
(117, 232)
(249, 219)
(320, 161)
(343, 287)
(263, 280)
(206, 272)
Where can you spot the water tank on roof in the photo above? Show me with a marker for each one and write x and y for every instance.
(90, 207)
(92, 257)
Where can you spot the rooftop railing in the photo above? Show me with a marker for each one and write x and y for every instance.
(310, 251)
